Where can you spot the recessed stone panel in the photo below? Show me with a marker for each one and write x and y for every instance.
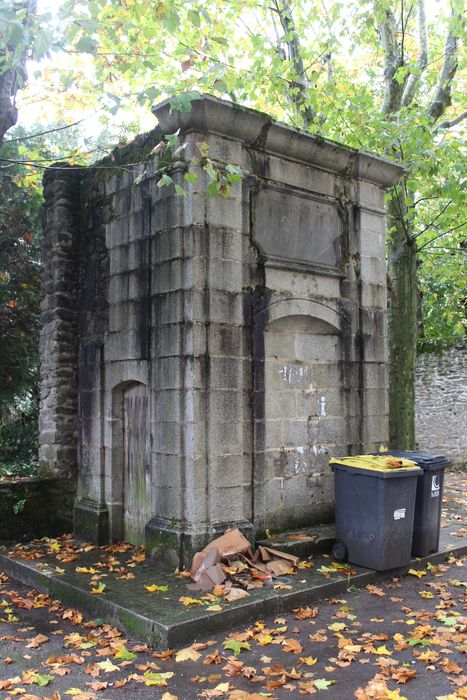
(294, 227)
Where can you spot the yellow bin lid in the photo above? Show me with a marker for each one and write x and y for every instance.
(374, 463)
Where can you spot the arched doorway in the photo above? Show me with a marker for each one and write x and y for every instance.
(300, 411)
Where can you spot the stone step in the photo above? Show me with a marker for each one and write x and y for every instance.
(316, 539)
(161, 619)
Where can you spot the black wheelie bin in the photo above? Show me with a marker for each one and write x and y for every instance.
(375, 505)
(428, 500)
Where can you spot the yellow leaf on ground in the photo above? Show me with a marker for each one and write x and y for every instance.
(415, 572)
(107, 666)
(428, 656)
(222, 687)
(187, 654)
(307, 660)
(383, 651)
(337, 627)
(153, 587)
(84, 570)
(186, 600)
(394, 695)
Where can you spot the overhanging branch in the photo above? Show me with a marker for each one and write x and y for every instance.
(442, 99)
(448, 124)
(299, 98)
(393, 61)
(431, 224)
(443, 233)
(422, 61)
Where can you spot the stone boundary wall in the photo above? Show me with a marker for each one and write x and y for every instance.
(441, 404)
(35, 507)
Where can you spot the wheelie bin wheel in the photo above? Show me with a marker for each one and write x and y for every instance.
(339, 551)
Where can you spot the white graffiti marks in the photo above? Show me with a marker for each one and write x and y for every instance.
(300, 462)
(306, 459)
(295, 375)
(322, 406)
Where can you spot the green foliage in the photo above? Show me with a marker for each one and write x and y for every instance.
(441, 232)
(18, 440)
(236, 647)
(23, 158)
(443, 295)
(18, 507)
(325, 71)
(179, 49)
(20, 234)
(15, 36)
(221, 175)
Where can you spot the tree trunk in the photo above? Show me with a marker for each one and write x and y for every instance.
(10, 74)
(8, 112)
(403, 301)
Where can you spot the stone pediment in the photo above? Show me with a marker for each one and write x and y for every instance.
(258, 130)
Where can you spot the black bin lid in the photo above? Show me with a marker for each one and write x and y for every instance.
(426, 460)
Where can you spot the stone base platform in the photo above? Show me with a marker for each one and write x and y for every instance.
(160, 618)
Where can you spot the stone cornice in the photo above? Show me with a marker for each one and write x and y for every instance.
(258, 130)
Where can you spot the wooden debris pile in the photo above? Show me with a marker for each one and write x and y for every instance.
(229, 565)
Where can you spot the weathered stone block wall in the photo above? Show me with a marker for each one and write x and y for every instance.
(441, 404)
(59, 336)
(117, 239)
(227, 345)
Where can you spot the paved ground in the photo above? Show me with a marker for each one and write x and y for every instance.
(413, 626)
(403, 638)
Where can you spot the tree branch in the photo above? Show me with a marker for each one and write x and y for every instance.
(299, 98)
(279, 49)
(393, 60)
(396, 203)
(444, 247)
(453, 122)
(328, 57)
(440, 213)
(50, 131)
(404, 25)
(443, 233)
(442, 98)
(414, 80)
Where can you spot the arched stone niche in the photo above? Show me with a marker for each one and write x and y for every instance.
(131, 478)
(300, 411)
